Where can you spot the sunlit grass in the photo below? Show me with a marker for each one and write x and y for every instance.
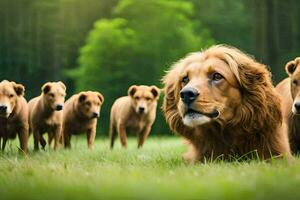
(154, 172)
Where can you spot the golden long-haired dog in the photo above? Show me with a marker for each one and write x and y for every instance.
(289, 90)
(224, 104)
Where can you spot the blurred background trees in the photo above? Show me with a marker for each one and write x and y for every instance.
(108, 45)
(136, 47)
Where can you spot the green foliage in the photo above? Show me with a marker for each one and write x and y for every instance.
(166, 32)
(40, 39)
(105, 57)
(229, 21)
(136, 47)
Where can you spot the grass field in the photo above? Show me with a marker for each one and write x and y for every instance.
(155, 172)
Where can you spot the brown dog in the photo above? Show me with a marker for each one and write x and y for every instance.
(289, 89)
(13, 114)
(135, 112)
(80, 115)
(45, 114)
(224, 104)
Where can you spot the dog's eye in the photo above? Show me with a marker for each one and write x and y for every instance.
(11, 96)
(137, 98)
(185, 80)
(51, 94)
(148, 98)
(217, 76)
(295, 82)
(88, 103)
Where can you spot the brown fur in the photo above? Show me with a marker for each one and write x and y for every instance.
(14, 121)
(80, 116)
(44, 116)
(289, 90)
(126, 114)
(249, 109)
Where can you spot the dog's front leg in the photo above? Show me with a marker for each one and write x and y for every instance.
(122, 134)
(91, 134)
(57, 136)
(4, 143)
(23, 137)
(66, 137)
(143, 136)
(43, 142)
(36, 138)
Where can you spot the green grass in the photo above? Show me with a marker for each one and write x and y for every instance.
(155, 172)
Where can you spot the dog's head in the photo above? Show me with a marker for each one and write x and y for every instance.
(144, 98)
(89, 104)
(293, 70)
(9, 93)
(54, 94)
(220, 84)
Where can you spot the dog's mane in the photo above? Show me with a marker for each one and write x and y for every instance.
(259, 114)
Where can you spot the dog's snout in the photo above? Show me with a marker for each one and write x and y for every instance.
(297, 106)
(188, 95)
(59, 107)
(141, 109)
(3, 108)
(95, 114)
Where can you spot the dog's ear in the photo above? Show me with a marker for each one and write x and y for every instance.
(290, 67)
(100, 96)
(62, 85)
(46, 88)
(260, 104)
(132, 90)
(155, 91)
(171, 82)
(171, 96)
(82, 96)
(19, 88)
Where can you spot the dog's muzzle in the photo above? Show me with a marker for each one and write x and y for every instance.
(188, 95)
(214, 114)
(296, 108)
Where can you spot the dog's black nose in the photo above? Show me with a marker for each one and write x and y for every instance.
(3, 108)
(95, 114)
(59, 107)
(297, 106)
(141, 109)
(188, 95)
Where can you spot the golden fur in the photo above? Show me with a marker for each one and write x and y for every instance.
(126, 113)
(14, 119)
(45, 114)
(249, 116)
(289, 90)
(80, 116)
